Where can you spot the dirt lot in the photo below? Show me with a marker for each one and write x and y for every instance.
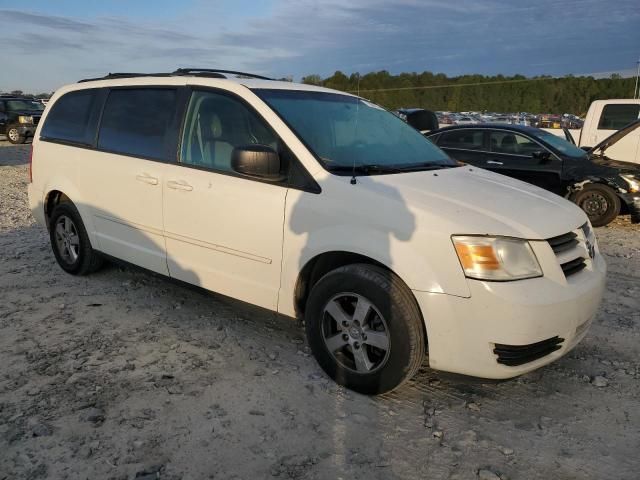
(126, 375)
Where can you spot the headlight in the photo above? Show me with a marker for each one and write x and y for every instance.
(496, 258)
(633, 182)
(25, 119)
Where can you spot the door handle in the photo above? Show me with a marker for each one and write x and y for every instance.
(146, 178)
(179, 185)
(493, 162)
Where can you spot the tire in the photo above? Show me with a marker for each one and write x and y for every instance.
(14, 136)
(342, 295)
(70, 242)
(599, 202)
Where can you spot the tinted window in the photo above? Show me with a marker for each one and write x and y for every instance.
(70, 118)
(215, 125)
(136, 122)
(614, 117)
(465, 139)
(513, 143)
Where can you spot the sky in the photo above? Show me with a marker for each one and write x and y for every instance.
(46, 44)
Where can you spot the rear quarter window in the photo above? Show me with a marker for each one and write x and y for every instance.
(70, 118)
(137, 122)
(464, 139)
(617, 116)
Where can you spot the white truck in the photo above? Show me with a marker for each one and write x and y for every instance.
(603, 119)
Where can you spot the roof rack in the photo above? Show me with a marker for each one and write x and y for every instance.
(200, 72)
(111, 76)
(221, 73)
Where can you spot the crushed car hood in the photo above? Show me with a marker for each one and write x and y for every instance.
(469, 200)
(619, 165)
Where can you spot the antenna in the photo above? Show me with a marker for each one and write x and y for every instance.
(355, 135)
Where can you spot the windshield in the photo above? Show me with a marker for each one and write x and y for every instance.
(561, 144)
(345, 132)
(22, 105)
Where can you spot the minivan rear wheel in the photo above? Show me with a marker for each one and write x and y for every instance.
(70, 242)
(365, 329)
(599, 202)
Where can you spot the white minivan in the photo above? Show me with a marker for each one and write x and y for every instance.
(317, 204)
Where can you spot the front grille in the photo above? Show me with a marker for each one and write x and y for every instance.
(36, 120)
(573, 266)
(569, 252)
(514, 355)
(562, 243)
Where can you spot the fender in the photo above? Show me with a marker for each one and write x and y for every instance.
(397, 255)
(65, 185)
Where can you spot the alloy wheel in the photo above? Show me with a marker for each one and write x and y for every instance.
(67, 239)
(13, 134)
(355, 333)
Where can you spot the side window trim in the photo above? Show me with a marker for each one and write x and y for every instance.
(307, 184)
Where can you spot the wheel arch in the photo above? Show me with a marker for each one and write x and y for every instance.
(62, 190)
(325, 262)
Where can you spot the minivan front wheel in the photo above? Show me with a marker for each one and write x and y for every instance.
(365, 329)
(599, 202)
(70, 242)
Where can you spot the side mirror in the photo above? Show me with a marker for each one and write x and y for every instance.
(260, 161)
(542, 155)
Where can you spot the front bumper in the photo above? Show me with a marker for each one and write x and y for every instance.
(36, 204)
(633, 203)
(463, 332)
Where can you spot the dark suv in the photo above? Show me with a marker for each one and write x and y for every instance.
(19, 117)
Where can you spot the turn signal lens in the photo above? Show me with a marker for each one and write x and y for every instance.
(496, 258)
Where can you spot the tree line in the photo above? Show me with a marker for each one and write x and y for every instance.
(499, 93)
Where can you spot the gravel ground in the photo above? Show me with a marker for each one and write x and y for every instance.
(128, 375)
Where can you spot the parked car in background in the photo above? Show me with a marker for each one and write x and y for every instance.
(422, 120)
(465, 121)
(603, 119)
(322, 205)
(19, 117)
(602, 187)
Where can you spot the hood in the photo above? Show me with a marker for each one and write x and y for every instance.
(614, 138)
(619, 165)
(30, 113)
(468, 200)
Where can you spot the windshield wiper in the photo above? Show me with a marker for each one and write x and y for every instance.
(426, 166)
(371, 169)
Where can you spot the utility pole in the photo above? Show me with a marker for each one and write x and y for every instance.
(636, 93)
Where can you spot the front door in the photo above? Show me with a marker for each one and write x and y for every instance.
(223, 230)
(520, 157)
